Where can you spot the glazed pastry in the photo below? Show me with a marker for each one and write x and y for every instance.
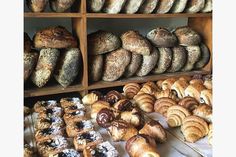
(51, 112)
(149, 88)
(176, 115)
(121, 131)
(104, 149)
(27, 43)
(44, 123)
(164, 6)
(78, 127)
(148, 6)
(67, 102)
(206, 96)
(74, 108)
(30, 60)
(37, 5)
(47, 134)
(61, 5)
(179, 87)
(166, 93)
(113, 6)
(132, 6)
(155, 130)
(208, 6)
(97, 106)
(95, 5)
(145, 102)
(131, 89)
(204, 111)
(66, 153)
(161, 105)
(40, 106)
(87, 139)
(135, 63)
(90, 98)
(179, 6)
(95, 65)
(168, 83)
(28, 151)
(123, 105)
(113, 96)
(195, 6)
(194, 90)
(133, 117)
(104, 117)
(141, 146)
(71, 117)
(189, 103)
(194, 128)
(205, 57)
(210, 134)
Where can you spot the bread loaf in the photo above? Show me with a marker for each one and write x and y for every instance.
(68, 67)
(164, 6)
(195, 6)
(61, 5)
(132, 6)
(148, 6)
(148, 63)
(115, 64)
(135, 63)
(136, 43)
(179, 6)
(45, 66)
(101, 42)
(54, 37)
(113, 6)
(95, 5)
(161, 37)
(205, 57)
(27, 43)
(30, 60)
(164, 62)
(95, 68)
(37, 5)
(208, 6)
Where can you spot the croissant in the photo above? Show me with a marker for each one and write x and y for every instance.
(194, 90)
(149, 88)
(176, 115)
(206, 96)
(123, 105)
(90, 98)
(189, 103)
(97, 106)
(161, 105)
(179, 87)
(168, 83)
(145, 102)
(131, 89)
(159, 84)
(210, 134)
(165, 93)
(141, 146)
(204, 111)
(154, 129)
(133, 117)
(121, 131)
(194, 128)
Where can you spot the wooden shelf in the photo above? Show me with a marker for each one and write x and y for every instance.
(50, 15)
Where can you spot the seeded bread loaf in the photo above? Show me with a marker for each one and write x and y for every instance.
(208, 6)
(195, 6)
(95, 68)
(164, 61)
(148, 6)
(132, 6)
(95, 5)
(179, 6)
(113, 6)
(205, 57)
(37, 5)
(61, 5)
(164, 6)
(30, 60)
(136, 61)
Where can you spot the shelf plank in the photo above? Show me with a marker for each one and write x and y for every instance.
(50, 15)
(105, 84)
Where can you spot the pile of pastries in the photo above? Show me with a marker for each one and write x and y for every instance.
(149, 6)
(53, 52)
(112, 57)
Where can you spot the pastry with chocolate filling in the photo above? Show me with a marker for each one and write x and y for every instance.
(104, 117)
(48, 133)
(49, 122)
(123, 105)
(66, 153)
(133, 117)
(204, 111)
(77, 127)
(189, 103)
(113, 96)
(97, 106)
(66, 102)
(74, 116)
(40, 106)
(51, 112)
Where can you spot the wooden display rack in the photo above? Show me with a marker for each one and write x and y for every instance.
(201, 22)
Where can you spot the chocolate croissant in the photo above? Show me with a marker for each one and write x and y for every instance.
(206, 97)
(131, 89)
(113, 96)
(133, 117)
(179, 87)
(145, 102)
(161, 105)
(204, 111)
(194, 90)
(189, 103)
(149, 88)
(166, 93)
(97, 106)
(123, 105)
(168, 83)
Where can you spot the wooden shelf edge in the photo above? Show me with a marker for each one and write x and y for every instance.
(50, 15)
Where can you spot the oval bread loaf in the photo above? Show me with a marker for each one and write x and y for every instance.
(195, 6)
(179, 6)
(148, 6)
(30, 60)
(164, 61)
(208, 6)
(95, 5)
(95, 68)
(136, 61)
(113, 6)
(61, 5)
(164, 6)
(132, 6)
(205, 57)
(37, 5)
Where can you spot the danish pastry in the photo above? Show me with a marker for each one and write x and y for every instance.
(206, 96)
(113, 96)
(131, 89)
(204, 111)
(43, 123)
(133, 117)
(145, 102)
(71, 117)
(66, 102)
(161, 105)
(77, 127)
(123, 105)
(66, 153)
(40, 106)
(179, 87)
(194, 90)
(189, 103)
(51, 112)
(104, 117)
(47, 133)
(210, 134)
(97, 106)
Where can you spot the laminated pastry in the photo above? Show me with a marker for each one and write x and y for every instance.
(167, 84)
(194, 54)
(135, 63)
(68, 66)
(159, 83)
(27, 43)
(187, 36)
(148, 6)
(66, 153)
(49, 122)
(206, 97)
(121, 131)
(45, 67)
(87, 139)
(54, 37)
(161, 105)
(161, 37)
(155, 130)
(176, 115)
(195, 6)
(210, 134)
(194, 90)
(104, 117)
(91, 98)
(205, 57)
(37, 5)
(61, 5)
(164, 6)
(145, 102)
(149, 88)
(97, 106)
(133, 117)
(113, 6)
(115, 64)
(78, 127)
(74, 108)
(166, 94)
(194, 128)
(101, 42)
(113, 96)
(67, 102)
(164, 61)
(71, 117)
(149, 62)
(95, 5)
(132, 6)
(51, 112)
(95, 68)
(136, 43)
(40, 106)
(179, 6)
(179, 87)
(131, 89)
(104, 149)
(208, 6)
(189, 103)
(179, 59)
(141, 146)
(204, 111)
(48, 133)
(123, 105)
(30, 60)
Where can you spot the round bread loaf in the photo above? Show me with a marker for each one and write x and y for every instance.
(205, 57)
(179, 6)
(194, 54)
(195, 6)
(179, 58)
(30, 60)
(61, 5)
(148, 63)
(164, 61)
(136, 43)
(148, 6)
(113, 6)
(27, 43)
(95, 68)
(164, 6)
(115, 64)
(37, 5)
(132, 6)
(187, 36)
(54, 37)
(208, 6)
(101, 42)
(95, 5)
(136, 61)
(161, 37)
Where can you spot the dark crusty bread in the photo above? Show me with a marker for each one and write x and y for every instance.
(205, 57)
(164, 6)
(113, 6)
(30, 60)
(37, 5)
(115, 64)
(164, 61)
(136, 43)
(148, 63)
(45, 66)
(208, 6)
(95, 68)
(195, 6)
(95, 5)
(179, 58)
(148, 6)
(194, 54)
(161, 37)
(54, 37)
(132, 6)
(187, 36)
(101, 42)
(27, 43)
(61, 5)
(179, 6)
(68, 66)
(136, 61)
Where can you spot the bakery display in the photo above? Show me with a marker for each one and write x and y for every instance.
(61, 5)
(37, 5)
